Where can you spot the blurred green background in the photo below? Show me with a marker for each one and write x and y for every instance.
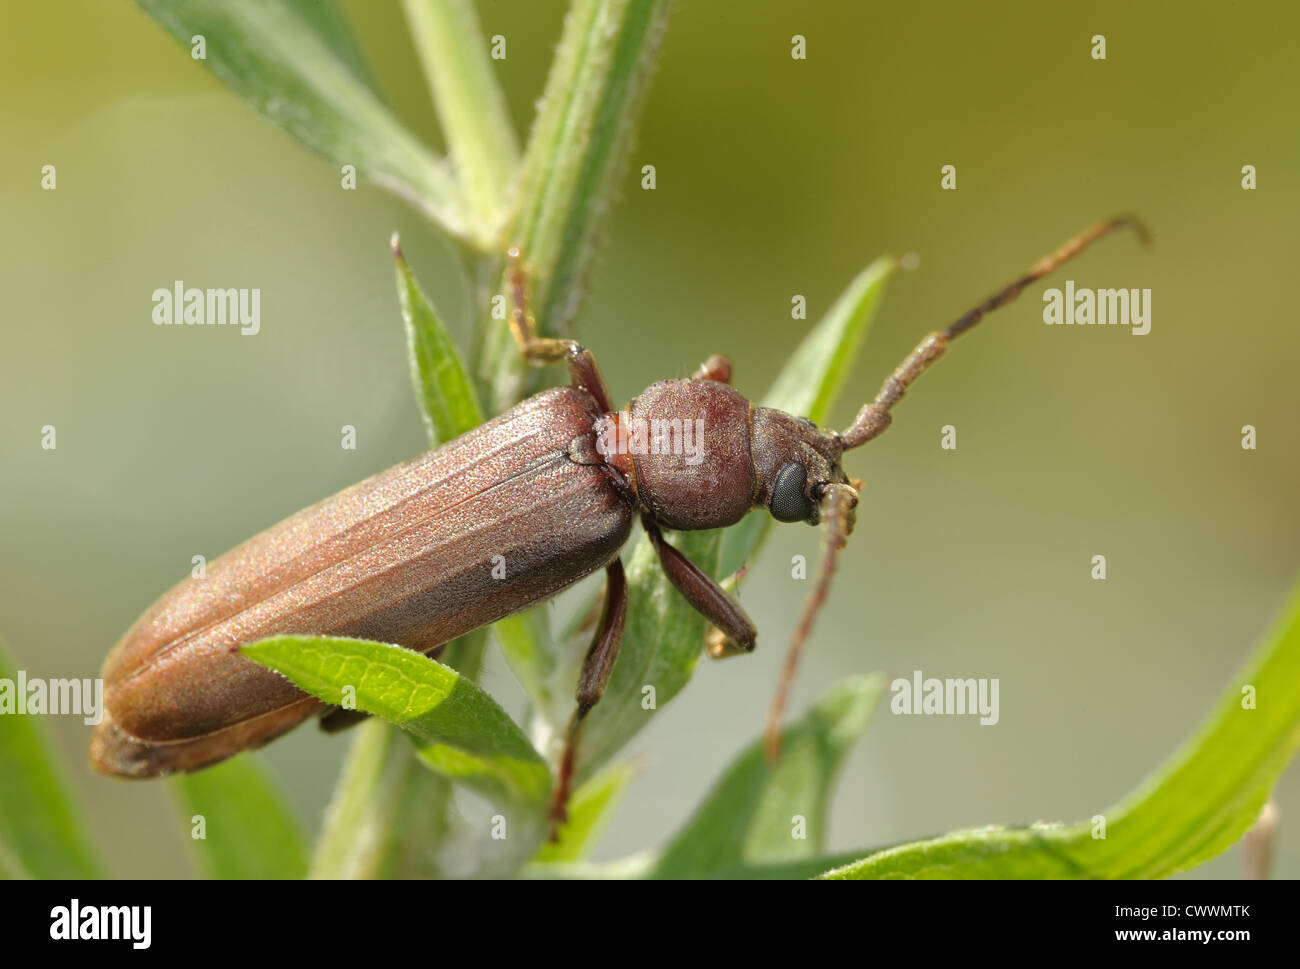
(775, 177)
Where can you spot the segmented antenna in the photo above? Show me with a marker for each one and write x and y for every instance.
(837, 512)
(876, 416)
(840, 499)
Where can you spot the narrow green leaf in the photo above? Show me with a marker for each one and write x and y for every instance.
(573, 160)
(1034, 852)
(293, 69)
(811, 381)
(325, 17)
(247, 829)
(459, 730)
(750, 816)
(1212, 789)
(1193, 807)
(589, 810)
(470, 103)
(42, 833)
(442, 386)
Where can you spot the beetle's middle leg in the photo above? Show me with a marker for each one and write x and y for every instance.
(596, 670)
(734, 632)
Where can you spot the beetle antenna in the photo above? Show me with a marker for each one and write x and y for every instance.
(876, 416)
(837, 507)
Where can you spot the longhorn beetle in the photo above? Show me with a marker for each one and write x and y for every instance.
(407, 555)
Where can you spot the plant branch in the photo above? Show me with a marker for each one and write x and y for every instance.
(573, 159)
(470, 104)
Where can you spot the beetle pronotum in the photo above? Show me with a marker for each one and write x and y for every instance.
(407, 556)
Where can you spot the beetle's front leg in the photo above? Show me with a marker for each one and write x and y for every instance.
(596, 670)
(536, 349)
(584, 373)
(734, 631)
(541, 350)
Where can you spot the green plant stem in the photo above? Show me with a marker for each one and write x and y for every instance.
(470, 103)
(583, 130)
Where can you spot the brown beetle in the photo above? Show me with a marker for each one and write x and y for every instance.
(553, 487)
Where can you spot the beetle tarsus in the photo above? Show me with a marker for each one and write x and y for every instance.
(536, 349)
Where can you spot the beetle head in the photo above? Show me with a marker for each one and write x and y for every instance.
(796, 466)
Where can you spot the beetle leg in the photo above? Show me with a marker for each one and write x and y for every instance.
(717, 368)
(596, 669)
(734, 631)
(536, 349)
(583, 372)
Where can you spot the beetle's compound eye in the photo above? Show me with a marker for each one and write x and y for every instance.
(789, 503)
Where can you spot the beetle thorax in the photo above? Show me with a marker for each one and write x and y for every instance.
(683, 447)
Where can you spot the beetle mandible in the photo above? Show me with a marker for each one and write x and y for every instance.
(406, 556)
